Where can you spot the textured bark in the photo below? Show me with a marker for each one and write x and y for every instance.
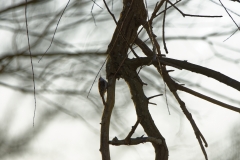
(125, 34)
(105, 123)
(141, 103)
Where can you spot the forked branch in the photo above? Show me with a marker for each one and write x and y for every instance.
(128, 138)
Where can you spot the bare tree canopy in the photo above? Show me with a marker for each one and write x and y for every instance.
(142, 53)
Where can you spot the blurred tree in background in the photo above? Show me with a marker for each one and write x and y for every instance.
(66, 122)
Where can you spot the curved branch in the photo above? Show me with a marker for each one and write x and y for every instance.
(190, 67)
(209, 99)
(204, 71)
(104, 146)
(141, 104)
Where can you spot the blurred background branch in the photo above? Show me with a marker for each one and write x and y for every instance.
(64, 75)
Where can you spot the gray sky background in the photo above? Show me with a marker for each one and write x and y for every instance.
(67, 123)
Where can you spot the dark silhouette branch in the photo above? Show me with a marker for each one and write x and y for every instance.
(191, 15)
(163, 29)
(156, 9)
(204, 71)
(154, 96)
(141, 105)
(209, 99)
(135, 141)
(229, 14)
(106, 117)
(128, 24)
(192, 67)
(83, 64)
(110, 49)
(168, 8)
(128, 138)
(110, 12)
(197, 132)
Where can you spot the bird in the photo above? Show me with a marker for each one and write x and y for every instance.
(102, 87)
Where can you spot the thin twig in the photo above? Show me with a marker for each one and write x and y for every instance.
(165, 91)
(97, 4)
(229, 14)
(29, 47)
(149, 22)
(204, 16)
(154, 96)
(54, 32)
(197, 132)
(226, 8)
(96, 76)
(155, 44)
(92, 13)
(152, 103)
(163, 30)
(156, 9)
(191, 15)
(156, 47)
(167, 8)
(231, 35)
(110, 12)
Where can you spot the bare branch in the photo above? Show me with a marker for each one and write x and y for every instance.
(55, 31)
(226, 8)
(110, 12)
(29, 47)
(229, 14)
(168, 8)
(104, 146)
(135, 141)
(235, 1)
(197, 132)
(209, 99)
(94, 1)
(231, 35)
(152, 103)
(191, 15)
(128, 138)
(204, 71)
(163, 29)
(154, 96)
(156, 9)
